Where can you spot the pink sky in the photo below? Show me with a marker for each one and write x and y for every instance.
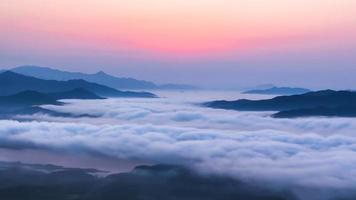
(175, 26)
(174, 29)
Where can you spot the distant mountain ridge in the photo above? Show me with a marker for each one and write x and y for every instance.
(258, 87)
(99, 77)
(25, 99)
(77, 93)
(12, 83)
(278, 91)
(338, 111)
(157, 182)
(29, 102)
(33, 98)
(320, 103)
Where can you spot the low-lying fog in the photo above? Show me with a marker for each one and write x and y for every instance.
(303, 154)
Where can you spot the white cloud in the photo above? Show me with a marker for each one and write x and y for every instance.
(318, 153)
(266, 154)
(186, 113)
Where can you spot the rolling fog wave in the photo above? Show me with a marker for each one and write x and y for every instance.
(317, 153)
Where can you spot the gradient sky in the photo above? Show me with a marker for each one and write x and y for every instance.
(222, 43)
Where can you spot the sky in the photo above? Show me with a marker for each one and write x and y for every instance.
(209, 43)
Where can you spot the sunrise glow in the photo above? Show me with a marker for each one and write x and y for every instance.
(173, 27)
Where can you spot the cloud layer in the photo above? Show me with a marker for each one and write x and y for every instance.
(314, 153)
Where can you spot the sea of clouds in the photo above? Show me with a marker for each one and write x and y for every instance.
(313, 155)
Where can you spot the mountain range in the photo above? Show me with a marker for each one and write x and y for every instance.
(77, 93)
(278, 91)
(25, 99)
(12, 83)
(99, 77)
(49, 182)
(338, 111)
(319, 103)
(29, 102)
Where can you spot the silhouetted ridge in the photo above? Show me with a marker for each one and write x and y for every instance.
(28, 98)
(12, 83)
(55, 182)
(319, 103)
(278, 91)
(100, 77)
(339, 111)
(25, 99)
(78, 93)
(28, 102)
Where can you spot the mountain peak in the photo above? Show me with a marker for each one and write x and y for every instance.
(9, 73)
(101, 73)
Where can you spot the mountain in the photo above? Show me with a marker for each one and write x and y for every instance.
(278, 91)
(280, 103)
(31, 110)
(25, 99)
(100, 78)
(258, 87)
(339, 111)
(320, 103)
(28, 102)
(166, 182)
(12, 83)
(78, 93)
